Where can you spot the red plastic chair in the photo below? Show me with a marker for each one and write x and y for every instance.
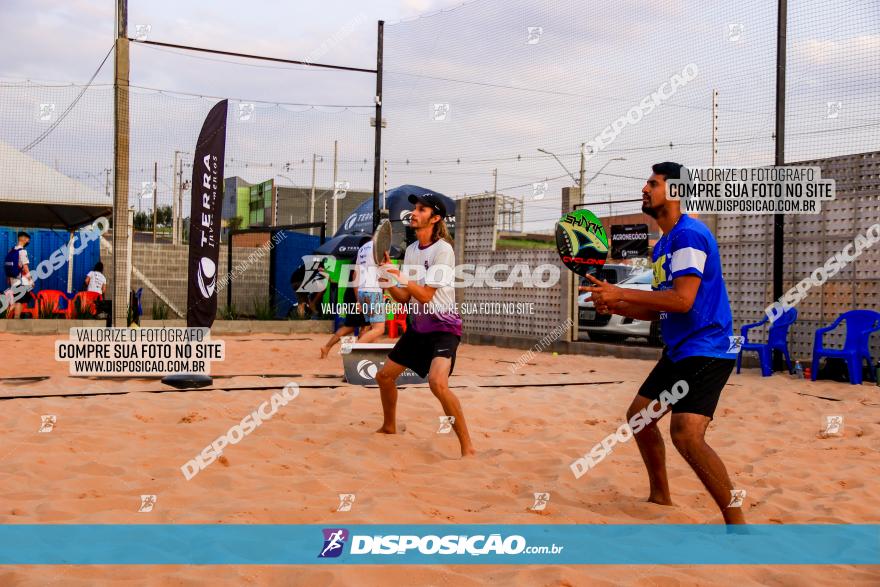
(54, 297)
(87, 301)
(397, 323)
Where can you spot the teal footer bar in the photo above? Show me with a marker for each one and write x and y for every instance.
(118, 544)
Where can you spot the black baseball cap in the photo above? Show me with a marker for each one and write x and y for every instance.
(432, 201)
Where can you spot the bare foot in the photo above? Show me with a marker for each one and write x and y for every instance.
(392, 429)
(659, 500)
(468, 453)
(324, 352)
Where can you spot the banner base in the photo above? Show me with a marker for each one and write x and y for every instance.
(187, 380)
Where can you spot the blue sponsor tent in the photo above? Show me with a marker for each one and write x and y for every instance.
(397, 202)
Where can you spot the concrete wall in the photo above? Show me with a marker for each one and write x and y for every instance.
(746, 247)
(293, 205)
(165, 266)
(475, 244)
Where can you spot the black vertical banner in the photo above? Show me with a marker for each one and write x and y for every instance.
(204, 219)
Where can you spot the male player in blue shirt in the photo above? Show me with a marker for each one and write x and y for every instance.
(690, 299)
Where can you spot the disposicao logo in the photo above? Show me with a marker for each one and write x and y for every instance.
(441, 545)
(334, 542)
(432, 544)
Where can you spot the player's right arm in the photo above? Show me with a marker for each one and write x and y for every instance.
(24, 262)
(622, 308)
(630, 311)
(399, 294)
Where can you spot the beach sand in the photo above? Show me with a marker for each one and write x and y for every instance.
(107, 450)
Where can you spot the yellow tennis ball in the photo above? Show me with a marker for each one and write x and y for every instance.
(555, 354)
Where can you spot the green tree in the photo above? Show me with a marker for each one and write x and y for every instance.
(141, 221)
(163, 216)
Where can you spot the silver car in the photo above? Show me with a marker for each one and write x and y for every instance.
(614, 273)
(616, 328)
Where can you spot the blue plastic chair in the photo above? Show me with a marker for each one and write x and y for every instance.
(777, 340)
(859, 326)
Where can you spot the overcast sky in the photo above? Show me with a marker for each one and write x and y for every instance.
(508, 93)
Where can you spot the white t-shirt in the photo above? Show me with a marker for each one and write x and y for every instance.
(96, 281)
(22, 261)
(437, 263)
(368, 271)
(22, 257)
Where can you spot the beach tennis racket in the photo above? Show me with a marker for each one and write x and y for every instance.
(582, 243)
(381, 241)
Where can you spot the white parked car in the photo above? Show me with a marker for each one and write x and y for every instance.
(613, 327)
(615, 273)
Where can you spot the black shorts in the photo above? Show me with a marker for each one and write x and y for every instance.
(416, 350)
(354, 320)
(705, 377)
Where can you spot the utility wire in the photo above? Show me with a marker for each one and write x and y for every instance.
(67, 110)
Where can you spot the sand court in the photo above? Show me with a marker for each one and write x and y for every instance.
(106, 450)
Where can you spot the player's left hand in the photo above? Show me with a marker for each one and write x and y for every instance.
(394, 272)
(604, 293)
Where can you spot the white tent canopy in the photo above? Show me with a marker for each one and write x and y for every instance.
(33, 194)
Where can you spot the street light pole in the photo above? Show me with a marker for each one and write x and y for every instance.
(174, 188)
(335, 170)
(278, 195)
(573, 280)
(312, 198)
(570, 174)
(589, 181)
(155, 195)
(582, 195)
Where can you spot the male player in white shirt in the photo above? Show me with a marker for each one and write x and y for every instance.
(430, 342)
(17, 268)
